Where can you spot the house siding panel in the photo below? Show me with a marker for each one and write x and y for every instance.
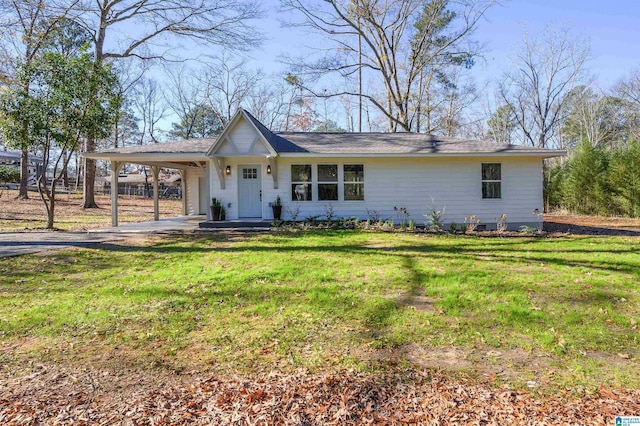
(419, 184)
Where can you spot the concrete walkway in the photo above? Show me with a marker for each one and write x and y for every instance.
(180, 223)
(18, 243)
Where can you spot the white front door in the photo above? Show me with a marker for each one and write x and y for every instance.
(249, 191)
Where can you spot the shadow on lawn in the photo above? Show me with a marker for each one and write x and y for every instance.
(521, 252)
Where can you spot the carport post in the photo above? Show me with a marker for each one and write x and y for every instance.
(155, 170)
(115, 169)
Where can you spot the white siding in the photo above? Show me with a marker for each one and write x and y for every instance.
(192, 191)
(242, 135)
(423, 184)
(419, 184)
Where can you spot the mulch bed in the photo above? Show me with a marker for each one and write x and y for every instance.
(75, 397)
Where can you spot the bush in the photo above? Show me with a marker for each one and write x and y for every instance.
(597, 180)
(9, 175)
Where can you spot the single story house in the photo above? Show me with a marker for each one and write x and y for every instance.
(359, 175)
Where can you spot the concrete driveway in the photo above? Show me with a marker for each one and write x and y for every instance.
(18, 243)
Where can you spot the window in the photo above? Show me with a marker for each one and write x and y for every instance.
(327, 182)
(250, 173)
(491, 180)
(301, 182)
(353, 182)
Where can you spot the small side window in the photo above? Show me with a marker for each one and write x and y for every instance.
(491, 180)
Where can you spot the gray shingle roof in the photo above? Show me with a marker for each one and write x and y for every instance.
(396, 143)
(349, 144)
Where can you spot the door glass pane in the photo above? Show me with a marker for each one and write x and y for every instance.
(249, 173)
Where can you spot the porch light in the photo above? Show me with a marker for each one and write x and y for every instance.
(228, 170)
(268, 169)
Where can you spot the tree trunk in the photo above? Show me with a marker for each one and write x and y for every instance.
(65, 175)
(89, 178)
(23, 192)
(50, 209)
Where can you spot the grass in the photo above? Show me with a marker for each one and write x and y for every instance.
(562, 312)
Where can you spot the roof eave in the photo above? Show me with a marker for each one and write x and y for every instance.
(146, 156)
(227, 129)
(545, 154)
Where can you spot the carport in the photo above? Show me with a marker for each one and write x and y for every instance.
(188, 157)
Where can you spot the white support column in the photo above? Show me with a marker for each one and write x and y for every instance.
(155, 170)
(274, 170)
(218, 164)
(183, 178)
(115, 169)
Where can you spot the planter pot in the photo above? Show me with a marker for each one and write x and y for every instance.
(277, 212)
(215, 212)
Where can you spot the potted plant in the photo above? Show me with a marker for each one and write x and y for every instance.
(216, 209)
(223, 213)
(277, 208)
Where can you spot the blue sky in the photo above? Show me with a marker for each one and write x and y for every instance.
(611, 26)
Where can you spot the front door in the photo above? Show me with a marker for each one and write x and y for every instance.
(249, 191)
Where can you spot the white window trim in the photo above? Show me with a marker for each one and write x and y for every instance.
(343, 182)
(482, 181)
(315, 194)
(336, 182)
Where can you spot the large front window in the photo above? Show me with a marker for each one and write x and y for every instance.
(491, 180)
(333, 182)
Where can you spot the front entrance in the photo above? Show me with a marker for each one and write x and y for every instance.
(249, 191)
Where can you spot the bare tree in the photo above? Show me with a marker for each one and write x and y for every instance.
(545, 70)
(268, 103)
(149, 103)
(149, 23)
(628, 89)
(399, 40)
(25, 29)
(229, 85)
(595, 117)
(185, 97)
(458, 94)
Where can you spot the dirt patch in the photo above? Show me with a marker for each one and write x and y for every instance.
(591, 225)
(30, 215)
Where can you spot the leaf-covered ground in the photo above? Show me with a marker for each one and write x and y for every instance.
(30, 215)
(81, 396)
(323, 328)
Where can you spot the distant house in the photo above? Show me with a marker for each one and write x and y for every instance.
(12, 159)
(139, 184)
(351, 174)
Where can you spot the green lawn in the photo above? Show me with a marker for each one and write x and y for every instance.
(560, 312)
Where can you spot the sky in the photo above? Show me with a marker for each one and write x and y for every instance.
(611, 26)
